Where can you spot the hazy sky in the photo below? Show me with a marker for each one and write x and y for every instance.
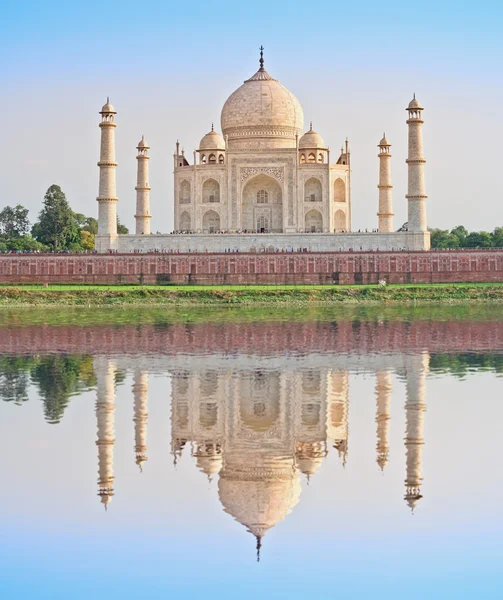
(169, 67)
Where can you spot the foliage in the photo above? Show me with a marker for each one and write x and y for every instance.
(120, 227)
(14, 222)
(460, 237)
(57, 227)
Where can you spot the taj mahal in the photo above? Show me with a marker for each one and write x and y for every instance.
(263, 184)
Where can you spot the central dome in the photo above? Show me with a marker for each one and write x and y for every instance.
(262, 114)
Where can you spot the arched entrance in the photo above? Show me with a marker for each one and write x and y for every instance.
(211, 221)
(262, 205)
(184, 224)
(314, 221)
(340, 221)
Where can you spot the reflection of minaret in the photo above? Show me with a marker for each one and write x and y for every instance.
(338, 412)
(140, 393)
(383, 395)
(105, 408)
(417, 369)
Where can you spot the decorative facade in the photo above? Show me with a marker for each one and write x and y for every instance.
(263, 175)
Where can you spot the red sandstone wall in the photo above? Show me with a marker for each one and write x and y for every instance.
(313, 267)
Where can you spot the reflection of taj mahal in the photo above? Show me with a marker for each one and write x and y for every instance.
(263, 175)
(258, 428)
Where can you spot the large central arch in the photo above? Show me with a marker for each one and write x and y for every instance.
(262, 205)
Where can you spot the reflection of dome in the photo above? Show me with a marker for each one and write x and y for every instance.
(209, 465)
(259, 498)
(311, 139)
(309, 466)
(309, 457)
(212, 141)
(262, 108)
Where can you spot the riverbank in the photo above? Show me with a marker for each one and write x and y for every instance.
(95, 295)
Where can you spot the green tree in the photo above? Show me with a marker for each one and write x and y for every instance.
(479, 239)
(497, 237)
(460, 232)
(56, 227)
(120, 227)
(91, 225)
(14, 222)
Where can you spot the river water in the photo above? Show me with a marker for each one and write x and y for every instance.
(304, 453)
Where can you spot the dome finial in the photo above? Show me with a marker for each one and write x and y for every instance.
(261, 61)
(259, 545)
(212, 127)
(310, 126)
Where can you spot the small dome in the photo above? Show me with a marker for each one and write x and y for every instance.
(311, 139)
(143, 143)
(212, 141)
(209, 465)
(414, 104)
(384, 142)
(108, 108)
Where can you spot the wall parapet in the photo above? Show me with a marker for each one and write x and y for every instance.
(240, 268)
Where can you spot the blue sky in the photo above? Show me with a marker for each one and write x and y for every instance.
(169, 68)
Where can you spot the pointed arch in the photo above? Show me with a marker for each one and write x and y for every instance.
(313, 221)
(339, 190)
(211, 221)
(340, 220)
(313, 190)
(184, 192)
(211, 191)
(184, 224)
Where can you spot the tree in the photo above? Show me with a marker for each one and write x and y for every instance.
(479, 239)
(86, 240)
(14, 221)
(497, 237)
(91, 225)
(56, 226)
(441, 238)
(460, 232)
(120, 227)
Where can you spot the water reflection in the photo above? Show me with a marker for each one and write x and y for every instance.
(257, 429)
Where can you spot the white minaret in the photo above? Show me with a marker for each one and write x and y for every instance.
(417, 368)
(385, 213)
(383, 397)
(105, 409)
(140, 394)
(107, 198)
(416, 194)
(142, 188)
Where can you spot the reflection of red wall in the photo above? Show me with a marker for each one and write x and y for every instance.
(312, 267)
(362, 337)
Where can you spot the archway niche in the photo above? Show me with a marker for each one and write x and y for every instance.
(314, 221)
(339, 190)
(340, 220)
(312, 190)
(259, 400)
(211, 221)
(184, 224)
(184, 195)
(262, 205)
(211, 191)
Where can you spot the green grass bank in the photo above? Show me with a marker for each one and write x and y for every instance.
(95, 295)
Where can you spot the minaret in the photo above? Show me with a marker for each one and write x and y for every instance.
(385, 213)
(140, 394)
(142, 188)
(105, 409)
(417, 369)
(416, 194)
(107, 198)
(383, 397)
